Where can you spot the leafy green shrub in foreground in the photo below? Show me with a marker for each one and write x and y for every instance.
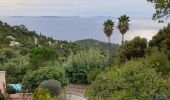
(34, 78)
(42, 94)
(134, 81)
(53, 86)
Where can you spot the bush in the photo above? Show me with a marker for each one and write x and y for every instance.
(78, 66)
(10, 89)
(134, 81)
(39, 56)
(132, 49)
(91, 76)
(53, 86)
(6, 54)
(159, 61)
(42, 94)
(34, 78)
(15, 69)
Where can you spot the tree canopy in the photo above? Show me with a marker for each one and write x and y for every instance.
(162, 8)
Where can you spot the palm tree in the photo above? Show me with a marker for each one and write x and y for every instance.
(123, 25)
(108, 30)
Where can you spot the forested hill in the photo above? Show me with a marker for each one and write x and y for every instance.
(18, 35)
(91, 43)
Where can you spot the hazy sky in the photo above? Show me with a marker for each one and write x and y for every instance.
(133, 8)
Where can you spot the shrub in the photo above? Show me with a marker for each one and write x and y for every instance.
(132, 49)
(53, 86)
(91, 76)
(39, 56)
(15, 69)
(34, 78)
(159, 61)
(6, 54)
(42, 94)
(134, 81)
(79, 65)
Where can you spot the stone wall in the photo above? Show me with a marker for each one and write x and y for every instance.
(2, 81)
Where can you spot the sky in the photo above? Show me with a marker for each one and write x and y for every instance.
(85, 8)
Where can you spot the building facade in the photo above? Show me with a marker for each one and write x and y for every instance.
(2, 81)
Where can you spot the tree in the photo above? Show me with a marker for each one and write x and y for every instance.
(108, 30)
(132, 49)
(123, 25)
(162, 40)
(162, 8)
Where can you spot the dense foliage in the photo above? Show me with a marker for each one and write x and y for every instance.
(14, 64)
(79, 65)
(53, 86)
(43, 94)
(132, 49)
(162, 8)
(39, 56)
(162, 40)
(95, 44)
(133, 81)
(34, 78)
(159, 61)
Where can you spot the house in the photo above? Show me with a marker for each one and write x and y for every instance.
(2, 81)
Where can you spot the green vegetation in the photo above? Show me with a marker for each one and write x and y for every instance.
(141, 74)
(81, 64)
(95, 44)
(53, 86)
(133, 81)
(40, 56)
(34, 78)
(132, 49)
(162, 40)
(159, 61)
(162, 8)
(42, 94)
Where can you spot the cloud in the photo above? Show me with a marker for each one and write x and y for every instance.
(134, 8)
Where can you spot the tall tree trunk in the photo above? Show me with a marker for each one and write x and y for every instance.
(122, 38)
(110, 52)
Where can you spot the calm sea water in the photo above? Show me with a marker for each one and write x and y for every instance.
(77, 28)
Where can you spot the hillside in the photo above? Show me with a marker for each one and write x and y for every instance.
(91, 43)
(18, 35)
